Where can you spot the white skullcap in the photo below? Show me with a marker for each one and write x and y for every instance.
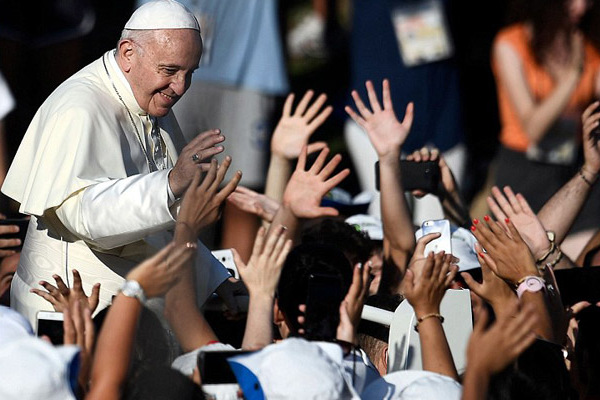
(162, 14)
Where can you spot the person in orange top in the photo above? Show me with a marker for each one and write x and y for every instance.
(547, 73)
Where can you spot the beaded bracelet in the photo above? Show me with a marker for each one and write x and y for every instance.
(586, 180)
(424, 317)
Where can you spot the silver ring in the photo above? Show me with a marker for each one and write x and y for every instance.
(195, 157)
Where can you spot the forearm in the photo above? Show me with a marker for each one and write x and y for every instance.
(435, 351)
(544, 328)
(118, 212)
(114, 348)
(559, 213)
(475, 384)
(285, 217)
(259, 323)
(396, 220)
(278, 175)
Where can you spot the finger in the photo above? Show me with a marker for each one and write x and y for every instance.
(512, 199)
(76, 282)
(357, 118)
(330, 167)
(489, 262)
(357, 282)
(320, 119)
(387, 97)
(4, 243)
(8, 229)
(303, 103)
(424, 240)
(259, 241)
(6, 253)
(46, 296)
(337, 179)
(315, 107)
(210, 177)
(272, 240)
(239, 263)
(424, 151)
(472, 283)
(230, 187)
(279, 245)
(482, 321)
(577, 307)
(452, 272)
(284, 252)
(589, 110)
(319, 162)
(327, 212)
(54, 292)
(408, 283)
(78, 323)
(206, 137)
(316, 146)
(301, 164)
(524, 204)
(362, 109)
(203, 167)
(428, 267)
(62, 288)
(372, 97)
(287, 106)
(434, 153)
(207, 153)
(221, 171)
(89, 329)
(179, 256)
(408, 116)
(94, 298)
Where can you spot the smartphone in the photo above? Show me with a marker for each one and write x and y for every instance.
(22, 223)
(214, 368)
(50, 323)
(414, 175)
(225, 256)
(444, 242)
(323, 299)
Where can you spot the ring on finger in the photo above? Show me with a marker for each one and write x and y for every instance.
(195, 157)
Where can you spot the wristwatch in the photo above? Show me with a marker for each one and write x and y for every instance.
(132, 288)
(530, 284)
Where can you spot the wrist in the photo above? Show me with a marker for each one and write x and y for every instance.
(132, 288)
(391, 158)
(588, 174)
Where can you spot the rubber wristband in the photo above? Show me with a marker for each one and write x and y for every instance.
(424, 317)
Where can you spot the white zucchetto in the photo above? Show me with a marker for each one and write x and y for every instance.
(162, 14)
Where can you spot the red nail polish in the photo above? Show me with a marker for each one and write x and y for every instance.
(475, 221)
(507, 220)
(473, 228)
(487, 218)
(481, 255)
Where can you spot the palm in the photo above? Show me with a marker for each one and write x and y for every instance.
(290, 135)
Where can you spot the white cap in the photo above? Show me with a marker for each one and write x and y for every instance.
(13, 326)
(162, 14)
(292, 369)
(31, 368)
(367, 223)
(413, 385)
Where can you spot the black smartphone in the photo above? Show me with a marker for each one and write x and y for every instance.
(214, 368)
(323, 300)
(50, 323)
(22, 223)
(424, 175)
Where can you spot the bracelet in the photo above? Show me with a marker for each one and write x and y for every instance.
(552, 263)
(586, 180)
(424, 317)
(543, 258)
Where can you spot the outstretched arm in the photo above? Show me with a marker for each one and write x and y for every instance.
(387, 135)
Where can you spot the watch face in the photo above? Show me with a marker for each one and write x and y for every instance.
(534, 284)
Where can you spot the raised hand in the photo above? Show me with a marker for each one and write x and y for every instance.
(160, 272)
(433, 154)
(254, 203)
(591, 149)
(202, 201)
(490, 350)
(305, 189)
(516, 209)
(261, 274)
(194, 157)
(61, 297)
(386, 133)
(294, 129)
(492, 289)
(352, 305)
(506, 253)
(79, 330)
(425, 289)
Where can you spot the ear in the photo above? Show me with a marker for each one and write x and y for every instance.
(125, 54)
(384, 358)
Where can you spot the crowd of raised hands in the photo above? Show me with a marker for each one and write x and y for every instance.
(513, 248)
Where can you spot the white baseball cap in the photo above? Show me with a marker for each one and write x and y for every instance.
(162, 14)
(413, 385)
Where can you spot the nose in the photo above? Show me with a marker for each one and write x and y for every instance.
(179, 84)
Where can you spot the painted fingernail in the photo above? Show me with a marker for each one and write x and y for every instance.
(507, 220)
(359, 265)
(473, 228)
(481, 255)
(475, 221)
(486, 217)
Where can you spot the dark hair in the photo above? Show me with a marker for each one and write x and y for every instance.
(355, 245)
(160, 382)
(301, 262)
(539, 373)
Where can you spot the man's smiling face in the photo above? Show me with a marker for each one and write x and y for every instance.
(160, 69)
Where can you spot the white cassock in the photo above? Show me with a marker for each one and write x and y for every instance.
(86, 176)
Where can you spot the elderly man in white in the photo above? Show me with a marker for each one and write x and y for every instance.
(103, 163)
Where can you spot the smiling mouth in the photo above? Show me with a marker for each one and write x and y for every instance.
(166, 96)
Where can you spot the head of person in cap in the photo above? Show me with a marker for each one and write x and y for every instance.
(158, 51)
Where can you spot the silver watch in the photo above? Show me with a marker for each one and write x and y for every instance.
(133, 289)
